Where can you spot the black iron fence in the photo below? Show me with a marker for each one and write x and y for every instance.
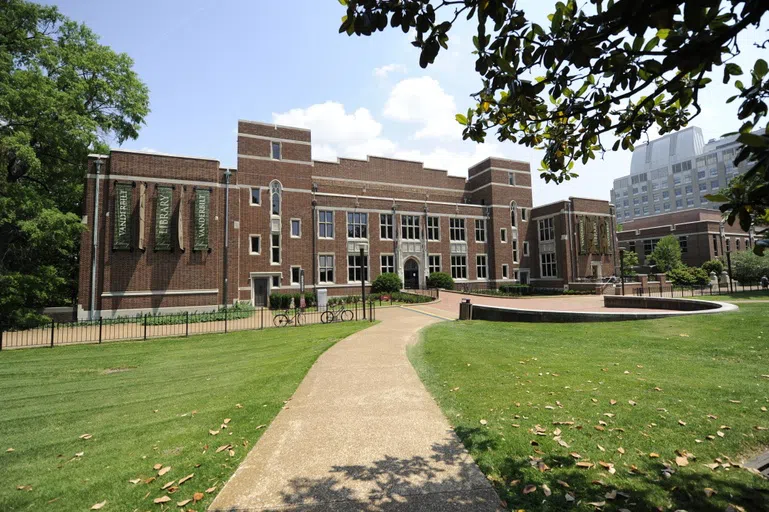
(670, 290)
(148, 326)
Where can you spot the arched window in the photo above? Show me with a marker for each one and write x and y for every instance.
(276, 191)
(513, 214)
(737, 244)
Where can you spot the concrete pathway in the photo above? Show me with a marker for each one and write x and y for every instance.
(361, 433)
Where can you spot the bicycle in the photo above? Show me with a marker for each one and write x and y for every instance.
(336, 314)
(287, 318)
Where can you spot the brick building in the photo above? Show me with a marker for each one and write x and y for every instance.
(699, 232)
(175, 232)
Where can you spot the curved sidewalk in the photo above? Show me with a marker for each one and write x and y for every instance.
(361, 433)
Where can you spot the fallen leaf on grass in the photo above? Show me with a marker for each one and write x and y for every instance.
(223, 447)
(682, 423)
(213, 432)
(576, 455)
(98, 506)
(150, 480)
(735, 401)
(653, 455)
(169, 484)
(483, 422)
(23, 487)
(238, 406)
(210, 490)
(631, 402)
(259, 426)
(621, 450)
(227, 420)
(611, 495)
(546, 490)
(198, 496)
(569, 497)
(162, 499)
(682, 461)
(597, 504)
(182, 503)
(584, 464)
(157, 466)
(601, 448)
(86, 436)
(9, 450)
(599, 428)
(613, 402)
(135, 481)
(164, 470)
(720, 434)
(709, 492)
(562, 483)
(182, 480)
(529, 489)
(79, 454)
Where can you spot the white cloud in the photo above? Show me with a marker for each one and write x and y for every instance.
(383, 71)
(336, 132)
(456, 162)
(423, 101)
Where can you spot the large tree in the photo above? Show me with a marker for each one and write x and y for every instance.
(62, 95)
(599, 68)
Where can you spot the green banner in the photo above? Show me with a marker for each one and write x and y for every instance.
(122, 214)
(581, 230)
(202, 217)
(163, 210)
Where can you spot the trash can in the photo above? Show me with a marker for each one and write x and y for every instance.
(322, 299)
(465, 310)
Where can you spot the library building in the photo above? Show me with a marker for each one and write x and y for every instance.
(167, 233)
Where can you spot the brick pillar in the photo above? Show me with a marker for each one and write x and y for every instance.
(662, 278)
(644, 280)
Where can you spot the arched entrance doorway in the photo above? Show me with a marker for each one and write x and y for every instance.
(411, 273)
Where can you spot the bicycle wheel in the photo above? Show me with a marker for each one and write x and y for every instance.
(281, 320)
(346, 315)
(327, 317)
(299, 319)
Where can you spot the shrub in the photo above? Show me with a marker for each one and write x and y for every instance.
(515, 289)
(387, 283)
(440, 280)
(283, 300)
(716, 266)
(749, 268)
(630, 263)
(688, 276)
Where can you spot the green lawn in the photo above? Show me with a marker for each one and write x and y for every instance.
(143, 403)
(746, 295)
(675, 382)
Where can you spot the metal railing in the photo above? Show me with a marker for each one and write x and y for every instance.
(148, 326)
(670, 290)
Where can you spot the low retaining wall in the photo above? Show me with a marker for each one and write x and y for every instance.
(676, 307)
(618, 301)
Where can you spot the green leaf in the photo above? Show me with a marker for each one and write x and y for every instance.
(753, 140)
(663, 33)
(717, 198)
(461, 119)
(760, 68)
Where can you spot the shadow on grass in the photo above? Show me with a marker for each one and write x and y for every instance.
(653, 489)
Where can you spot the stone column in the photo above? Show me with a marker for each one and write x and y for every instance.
(644, 280)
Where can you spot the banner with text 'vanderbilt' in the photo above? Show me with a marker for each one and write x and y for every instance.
(123, 206)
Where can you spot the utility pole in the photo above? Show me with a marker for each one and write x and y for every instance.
(363, 279)
(227, 174)
(622, 269)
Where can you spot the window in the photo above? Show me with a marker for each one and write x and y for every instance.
(688, 177)
(649, 245)
(457, 230)
(433, 229)
(689, 189)
(525, 248)
(357, 225)
(714, 184)
(385, 226)
(325, 224)
(677, 180)
(736, 244)
(548, 265)
(645, 199)
(256, 196)
(684, 243)
(678, 192)
(513, 216)
(296, 228)
(636, 200)
(546, 230)
(275, 192)
(503, 235)
(524, 214)
(276, 281)
(689, 201)
(636, 211)
(679, 203)
(665, 194)
(276, 151)
(355, 269)
(667, 207)
(480, 230)
(387, 263)
(728, 245)
(295, 271)
(410, 227)
(656, 197)
(714, 171)
(504, 271)
(459, 267)
(715, 245)
(275, 249)
(256, 244)
(657, 208)
(515, 250)
(481, 269)
(434, 263)
(326, 268)
(631, 246)
(703, 187)
(510, 178)
(516, 275)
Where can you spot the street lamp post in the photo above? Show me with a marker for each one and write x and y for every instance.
(622, 269)
(363, 277)
(728, 252)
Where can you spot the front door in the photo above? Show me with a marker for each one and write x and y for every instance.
(524, 276)
(411, 273)
(260, 291)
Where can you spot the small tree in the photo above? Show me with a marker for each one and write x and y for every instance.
(440, 280)
(629, 263)
(387, 283)
(716, 266)
(667, 255)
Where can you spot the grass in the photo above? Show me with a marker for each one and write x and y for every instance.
(143, 403)
(745, 295)
(496, 382)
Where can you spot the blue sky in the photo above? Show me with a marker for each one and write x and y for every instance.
(208, 64)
